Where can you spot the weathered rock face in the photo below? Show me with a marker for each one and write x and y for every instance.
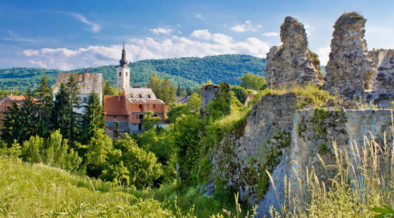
(241, 157)
(349, 70)
(383, 93)
(313, 132)
(292, 62)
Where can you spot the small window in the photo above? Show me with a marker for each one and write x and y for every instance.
(148, 96)
(114, 117)
(140, 95)
(154, 106)
(127, 74)
(120, 73)
(141, 107)
(85, 100)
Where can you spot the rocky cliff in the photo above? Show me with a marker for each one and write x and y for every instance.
(350, 70)
(292, 62)
(383, 93)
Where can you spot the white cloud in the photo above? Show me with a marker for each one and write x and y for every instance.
(201, 34)
(271, 34)
(323, 53)
(201, 43)
(200, 16)
(94, 27)
(246, 27)
(161, 30)
(308, 29)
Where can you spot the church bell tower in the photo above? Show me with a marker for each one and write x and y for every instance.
(123, 72)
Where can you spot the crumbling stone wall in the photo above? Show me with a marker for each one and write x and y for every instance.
(383, 93)
(292, 62)
(313, 132)
(241, 157)
(349, 70)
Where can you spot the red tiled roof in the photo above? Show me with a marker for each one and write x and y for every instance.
(145, 101)
(8, 100)
(115, 105)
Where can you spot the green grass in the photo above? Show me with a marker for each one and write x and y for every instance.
(36, 190)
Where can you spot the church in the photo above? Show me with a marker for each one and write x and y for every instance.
(124, 112)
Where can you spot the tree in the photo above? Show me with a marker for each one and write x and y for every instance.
(149, 121)
(73, 91)
(252, 81)
(98, 153)
(109, 90)
(32, 149)
(28, 117)
(142, 165)
(12, 124)
(155, 84)
(93, 119)
(59, 154)
(167, 92)
(240, 93)
(62, 111)
(45, 99)
(163, 89)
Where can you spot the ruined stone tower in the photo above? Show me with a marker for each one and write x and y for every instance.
(292, 62)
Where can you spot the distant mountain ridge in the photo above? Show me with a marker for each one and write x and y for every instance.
(186, 72)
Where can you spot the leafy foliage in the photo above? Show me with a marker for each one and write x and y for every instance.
(251, 81)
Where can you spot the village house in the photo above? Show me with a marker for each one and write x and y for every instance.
(86, 82)
(124, 113)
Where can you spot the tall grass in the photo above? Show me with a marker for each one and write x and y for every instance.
(37, 190)
(364, 180)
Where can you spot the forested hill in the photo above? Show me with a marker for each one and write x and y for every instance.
(183, 71)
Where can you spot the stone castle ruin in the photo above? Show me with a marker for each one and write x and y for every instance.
(292, 62)
(278, 137)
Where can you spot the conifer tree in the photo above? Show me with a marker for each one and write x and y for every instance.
(28, 117)
(12, 124)
(62, 111)
(73, 91)
(45, 99)
(93, 118)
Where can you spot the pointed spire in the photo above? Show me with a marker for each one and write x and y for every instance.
(123, 62)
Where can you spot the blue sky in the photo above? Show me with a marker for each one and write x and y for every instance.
(76, 34)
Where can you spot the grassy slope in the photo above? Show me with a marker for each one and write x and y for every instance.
(34, 190)
(186, 72)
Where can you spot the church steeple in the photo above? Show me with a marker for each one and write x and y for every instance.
(123, 72)
(123, 62)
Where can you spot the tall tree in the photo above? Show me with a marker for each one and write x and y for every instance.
(155, 84)
(28, 117)
(45, 99)
(93, 118)
(167, 92)
(12, 125)
(62, 111)
(75, 117)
